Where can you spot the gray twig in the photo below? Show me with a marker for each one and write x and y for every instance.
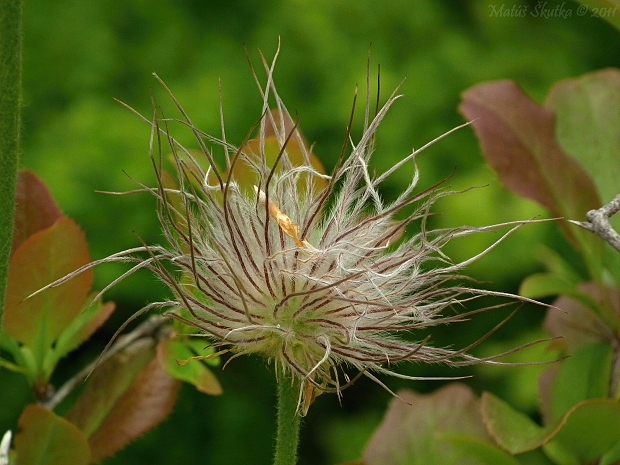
(598, 222)
(150, 328)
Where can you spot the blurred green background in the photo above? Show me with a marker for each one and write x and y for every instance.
(80, 55)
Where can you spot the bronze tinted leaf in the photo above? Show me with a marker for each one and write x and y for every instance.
(35, 209)
(127, 396)
(47, 439)
(44, 257)
(147, 402)
(577, 324)
(107, 385)
(296, 150)
(518, 140)
(410, 427)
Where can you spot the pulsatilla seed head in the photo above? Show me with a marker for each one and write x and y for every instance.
(271, 256)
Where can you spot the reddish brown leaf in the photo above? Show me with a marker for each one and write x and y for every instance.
(43, 258)
(578, 325)
(518, 140)
(47, 439)
(408, 431)
(128, 395)
(195, 163)
(282, 120)
(146, 403)
(107, 385)
(296, 150)
(545, 392)
(35, 208)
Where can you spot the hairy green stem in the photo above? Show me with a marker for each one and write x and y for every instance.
(289, 422)
(10, 116)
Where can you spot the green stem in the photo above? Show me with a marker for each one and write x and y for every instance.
(10, 116)
(289, 422)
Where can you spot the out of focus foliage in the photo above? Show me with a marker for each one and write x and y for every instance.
(80, 55)
(579, 409)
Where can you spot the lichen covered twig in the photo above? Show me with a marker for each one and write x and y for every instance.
(598, 222)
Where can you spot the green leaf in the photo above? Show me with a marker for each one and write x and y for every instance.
(588, 129)
(194, 372)
(47, 439)
(201, 348)
(557, 264)
(588, 125)
(79, 330)
(518, 434)
(546, 284)
(408, 433)
(539, 285)
(44, 257)
(559, 454)
(534, 457)
(126, 396)
(561, 278)
(591, 429)
(588, 431)
(10, 345)
(584, 375)
(485, 451)
(512, 430)
(612, 456)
